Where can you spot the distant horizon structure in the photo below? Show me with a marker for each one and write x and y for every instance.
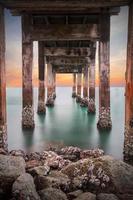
(67, 33)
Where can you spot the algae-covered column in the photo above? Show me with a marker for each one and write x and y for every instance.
(128, 143)
(50, 100)
(3, 126)
(79, 82)
(85, 82)
(27, 61)
(104, 74)
(41, 92)
(91, 103)
(74, 86)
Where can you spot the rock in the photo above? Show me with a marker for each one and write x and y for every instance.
(71, 151)
(33, 163)
(24, 188)
(95, 153)
(3, 152)
(55, 179)
(52, 194)
(104, 196)
(86, 196)
(18, 153)
(40, 171)
(10, 168)
(74, 194)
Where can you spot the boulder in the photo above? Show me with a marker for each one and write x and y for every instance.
(93, 153)
(70, 152)
(33, 163)
(10, 168)
(24, 188)
(86, 196)
(52, 194)
(104, 196)
(74, 194)
(39, 171)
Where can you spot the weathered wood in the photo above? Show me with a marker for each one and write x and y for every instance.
(74, 86)
(49, 80)
(79, 79)
(3, 127)
(128, 143)
(104, 72)
(80, 52)
(68, 69)
(41, 72)
(27, 59)
(85, 81)
(54, 84)
(66, 32)
(54, 60)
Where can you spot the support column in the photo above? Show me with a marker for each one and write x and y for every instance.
(41, 64)
(104, 73)
(79, 78)
(50, 100)
(27, 59)
(85, 82)
(128, 142)
(91, 103)
(74, 86)
(3, 126)
(54, 85)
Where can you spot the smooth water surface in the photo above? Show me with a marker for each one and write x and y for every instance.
(67, 122)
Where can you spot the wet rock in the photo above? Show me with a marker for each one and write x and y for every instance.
(3, 152)
(91, 106)
(50, 101)
(33, 163)
(86, 196)
(18, 153)
(94, 153)
(84, 102)
(10, 168)
(71, 151)
(39, 171)
(34, 156)
(104, 196)
(74, 194)
(23, 188)
(52, 194)
(78, 99)
(55, 179)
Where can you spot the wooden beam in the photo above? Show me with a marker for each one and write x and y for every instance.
(85, 81)
(82, 52)
(70, 69)
(67, 60)
(79, 80)
(3, 127)
(66, 32)
(74, 86)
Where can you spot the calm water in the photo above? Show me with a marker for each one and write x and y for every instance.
(67, 122)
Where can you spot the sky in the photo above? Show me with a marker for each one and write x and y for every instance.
(118, 48)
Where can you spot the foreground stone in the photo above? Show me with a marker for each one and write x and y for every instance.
(52, 194)
(10, 168)
(24, 188)
(104, 196)
(86, 196)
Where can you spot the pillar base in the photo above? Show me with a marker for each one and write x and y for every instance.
(3, 138)
(41, 108)
(104, 122)
(78, 98)
(91, 106)
(50, 101)
(128, 146)
(84, 102)
(28, 117)
(74, 95)
(54, 95)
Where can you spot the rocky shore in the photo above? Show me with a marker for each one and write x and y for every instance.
(70, 173)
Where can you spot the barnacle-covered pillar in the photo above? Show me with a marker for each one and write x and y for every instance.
(3, 126)
(79, 78)
(128, 142)
(74, 86)
(85, 82)
(27, 59)
(91, 102)
(104, 73)
(50, 99)
(41, 93)
(54, 84)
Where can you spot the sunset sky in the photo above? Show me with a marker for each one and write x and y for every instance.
(14, 57)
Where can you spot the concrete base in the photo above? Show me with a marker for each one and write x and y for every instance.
(28, 117)
(128, 146)
(74, 95)
(41, 108)
(78, 99)
(104, 119)
(50, 101)
(84, 102)
(3, 138)
(91, 106)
